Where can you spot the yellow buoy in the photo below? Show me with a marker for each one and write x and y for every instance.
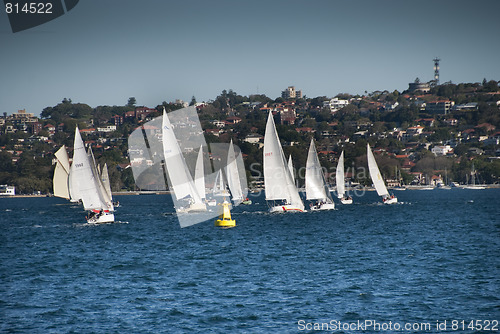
(225, 218)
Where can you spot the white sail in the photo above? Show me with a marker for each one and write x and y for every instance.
(278, 181)
(233, 176)
(220, 188)
(339, 177)
(180, 178)
(315, 180)
(105, 180)
(377, 180)
(199, 174)
(61, 174)
(105, 197)
(83, 178)
(290, 167)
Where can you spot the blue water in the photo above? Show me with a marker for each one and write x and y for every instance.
(434, 257)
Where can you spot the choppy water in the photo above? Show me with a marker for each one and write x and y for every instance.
(435, 257)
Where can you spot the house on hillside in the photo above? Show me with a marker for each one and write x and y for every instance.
(442, 150)
(442, 107)
(253, 138)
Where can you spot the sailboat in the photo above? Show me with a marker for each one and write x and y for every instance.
(473, 185)
(281, 193)
(340, 179)
(86, 185)
(400, 186)
(444, 184)
(106, 183)
(61, 174)
(187, 197)
(233, 176)
(316, 188)
(220, 188)
(377, 180)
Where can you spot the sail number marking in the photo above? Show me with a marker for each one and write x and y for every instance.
(29, 8)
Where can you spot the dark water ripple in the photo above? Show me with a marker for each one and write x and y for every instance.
(433, 257)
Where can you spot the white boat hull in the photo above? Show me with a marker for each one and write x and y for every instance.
(346, 201)
(474, 187)
(211, 202)
(391, 200)
(285, 208)
(104, 218)
(324, 206)
(200, 207)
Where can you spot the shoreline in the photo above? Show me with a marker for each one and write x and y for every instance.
(167, 192)
(124, 193)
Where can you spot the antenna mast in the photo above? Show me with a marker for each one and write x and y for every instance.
(436, 71)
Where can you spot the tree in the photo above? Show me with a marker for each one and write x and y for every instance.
(193, 101)
(131, 102)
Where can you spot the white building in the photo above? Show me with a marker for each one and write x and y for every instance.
(6, 190)
(219, 124)
(253, 138)
(109, 128)
(335, 104)
(441, 150)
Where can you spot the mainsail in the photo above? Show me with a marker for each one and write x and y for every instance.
(315, 180)
(233, 176)
(84, 179)
(199, 174)
(339, 177)
(105, 180)
(290, 167)
(378, 182)
(220, 188)
(61, 174)
(278, 181)
(179, 176)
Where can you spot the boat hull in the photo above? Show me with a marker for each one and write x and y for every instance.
(193, 208)
(105, 218)
(474, 187)
(346, 201)
(211, 202)
(324, 206)
(392, 200)
(285, 208)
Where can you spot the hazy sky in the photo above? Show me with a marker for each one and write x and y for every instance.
(103, 52)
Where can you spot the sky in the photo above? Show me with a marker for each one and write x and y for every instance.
(103, 52)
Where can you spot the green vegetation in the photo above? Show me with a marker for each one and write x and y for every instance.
(382, 118)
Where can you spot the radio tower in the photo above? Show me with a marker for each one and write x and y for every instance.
(436, 71)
